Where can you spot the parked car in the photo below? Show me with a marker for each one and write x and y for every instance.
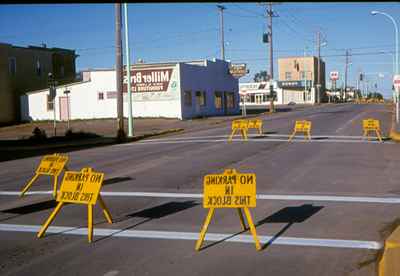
(291, 103)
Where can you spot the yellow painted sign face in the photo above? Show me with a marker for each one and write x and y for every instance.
(371, 124)
(254, 123)
(80, 187)
(52, 164)
(239, 124)
(303, 126)
(229, 190)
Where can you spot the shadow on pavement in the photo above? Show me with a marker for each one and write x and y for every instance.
(289, 215)
(32, 208)
(156, 212)
(117, 180)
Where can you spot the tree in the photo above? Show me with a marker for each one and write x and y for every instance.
(261, 76)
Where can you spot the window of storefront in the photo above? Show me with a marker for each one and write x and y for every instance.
(201, 98)
(12, 66)
(218, 100)
(288, 75)
(50, 103)
(187, 95)
(38, 68)
(230, 100)
(100, 96)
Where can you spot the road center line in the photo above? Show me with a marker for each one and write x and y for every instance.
(172, 235)
(350, 199)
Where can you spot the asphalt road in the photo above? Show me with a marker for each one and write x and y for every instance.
(321, 206)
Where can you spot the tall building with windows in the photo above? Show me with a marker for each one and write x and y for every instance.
(300, 74)
(25, 69)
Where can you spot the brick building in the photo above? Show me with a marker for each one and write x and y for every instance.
(25, 69)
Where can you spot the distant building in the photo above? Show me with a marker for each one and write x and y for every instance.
(26, 69)
(299, 75)
(181, 90)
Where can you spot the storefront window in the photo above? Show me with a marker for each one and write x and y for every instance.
(230, 100)
(218, 100)
(188, 98)
(201, 98)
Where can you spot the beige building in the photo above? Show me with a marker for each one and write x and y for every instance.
(300, 74)
(25, 69)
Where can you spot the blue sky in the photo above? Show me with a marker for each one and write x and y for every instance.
(187, 31)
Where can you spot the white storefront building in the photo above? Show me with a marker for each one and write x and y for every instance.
(257, 94)
(181, 90)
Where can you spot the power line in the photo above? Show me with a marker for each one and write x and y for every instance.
(248, 11)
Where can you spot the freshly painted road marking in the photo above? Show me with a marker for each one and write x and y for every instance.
(350, 199)
(254, 135)
(172, 235)
(153, 142)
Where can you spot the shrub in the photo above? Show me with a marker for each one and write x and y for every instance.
(38, 134)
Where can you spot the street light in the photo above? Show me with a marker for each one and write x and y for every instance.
(396, 52)
(394, 69)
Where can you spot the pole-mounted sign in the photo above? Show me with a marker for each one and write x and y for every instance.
(238, 70)
(334, 75)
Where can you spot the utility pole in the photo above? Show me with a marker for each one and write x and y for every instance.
(271, 14)
(128, 73)
(271, 60)
(345, 74)
(221, 9)
(319, 67)
(118, 65)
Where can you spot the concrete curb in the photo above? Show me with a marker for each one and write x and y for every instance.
(394, 135)
(388, 263)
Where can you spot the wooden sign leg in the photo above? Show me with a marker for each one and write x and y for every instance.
(90, 222)
(50, 219)
(260, 130)
(55, 186)
(204, 229)
(244, 134)
(252, 228)
(231, 136)
(239, 210)
(291, 136)
(106, 212)
(379, 135)
(26, 188)
(309, 135)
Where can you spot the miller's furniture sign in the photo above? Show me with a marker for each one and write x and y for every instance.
(151, 80)
(238, 70)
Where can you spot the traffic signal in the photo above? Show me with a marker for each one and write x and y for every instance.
(265, 38)
(361, 77)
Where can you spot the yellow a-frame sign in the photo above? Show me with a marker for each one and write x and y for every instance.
(82, 188)
(229, 190)
(302, 126)
(372, 125)
(51, 165)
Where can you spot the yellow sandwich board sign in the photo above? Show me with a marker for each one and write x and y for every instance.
(255, 123)
(372, 125)
(229, 190)
(51, 165)
(81, 188)
(243, 126)
(302, 126)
